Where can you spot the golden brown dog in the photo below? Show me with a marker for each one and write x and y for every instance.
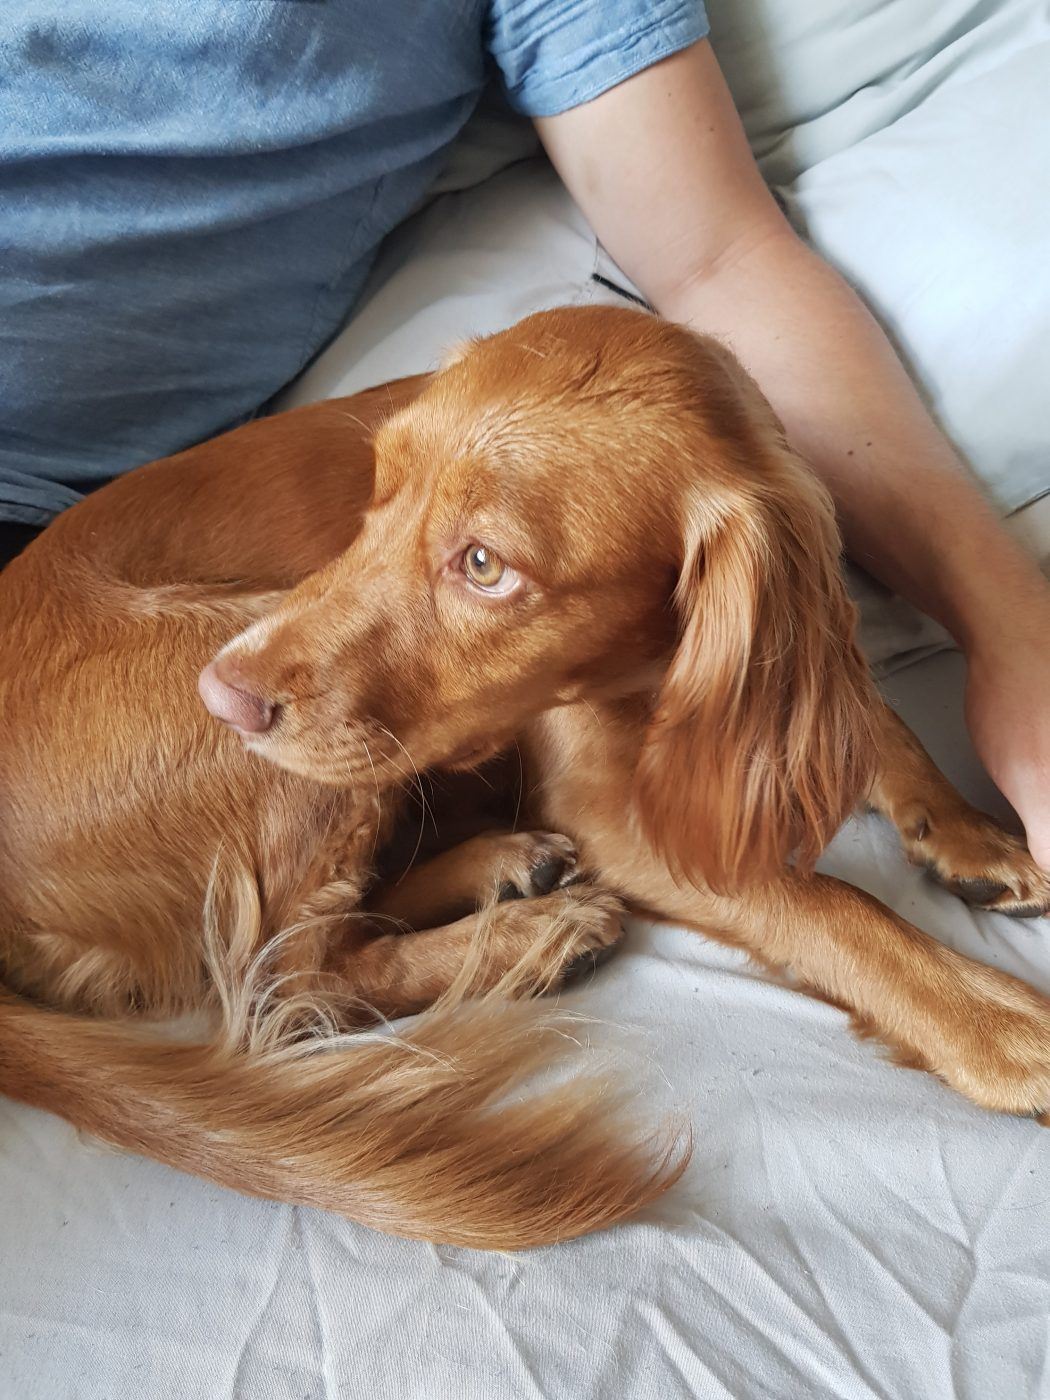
(585, 536)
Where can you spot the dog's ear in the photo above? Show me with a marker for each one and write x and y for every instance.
(760, 744)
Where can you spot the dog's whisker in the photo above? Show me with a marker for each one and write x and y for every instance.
(359, 421)
(422, 798)
(521, 786)
(480, 776)
(379, 799)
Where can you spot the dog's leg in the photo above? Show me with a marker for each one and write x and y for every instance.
(985, 1033)
(537, 945)
(964, 849)
(494, 865)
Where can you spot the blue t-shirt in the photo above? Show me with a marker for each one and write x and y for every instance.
(191, 192)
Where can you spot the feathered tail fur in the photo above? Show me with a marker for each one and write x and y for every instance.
(409, 1133)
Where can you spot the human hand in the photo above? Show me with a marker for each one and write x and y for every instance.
(1008, 714)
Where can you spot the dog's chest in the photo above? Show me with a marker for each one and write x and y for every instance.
(582, 761)
(320, 849)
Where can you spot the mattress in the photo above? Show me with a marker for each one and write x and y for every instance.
(845, 1228)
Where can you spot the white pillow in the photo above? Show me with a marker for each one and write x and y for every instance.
(494, 138)
(942, 222)
(813, 77)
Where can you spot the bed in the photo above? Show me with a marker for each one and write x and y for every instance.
(845, 1228)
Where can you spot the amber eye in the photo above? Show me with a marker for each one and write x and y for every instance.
(484, 567)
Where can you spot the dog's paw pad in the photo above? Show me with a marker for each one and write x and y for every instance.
(550, 872)
(980, 862)
(537, 863)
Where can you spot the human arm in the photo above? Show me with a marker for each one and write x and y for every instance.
(682, 208)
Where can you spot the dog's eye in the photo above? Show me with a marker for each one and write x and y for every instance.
(486, 569)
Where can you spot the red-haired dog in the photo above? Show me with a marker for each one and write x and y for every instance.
(585, 536)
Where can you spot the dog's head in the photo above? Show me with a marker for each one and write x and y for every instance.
(591, 504)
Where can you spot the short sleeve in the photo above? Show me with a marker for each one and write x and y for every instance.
(555, 54)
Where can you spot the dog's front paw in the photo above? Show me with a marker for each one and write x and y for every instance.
(554, 939)
(994, 1045)
(974, 857)
(533, 863)
(598, 932)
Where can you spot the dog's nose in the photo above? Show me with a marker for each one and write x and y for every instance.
(235, 706)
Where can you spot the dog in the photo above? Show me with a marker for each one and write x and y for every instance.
(584, 540)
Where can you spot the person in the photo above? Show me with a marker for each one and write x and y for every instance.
(192, 195)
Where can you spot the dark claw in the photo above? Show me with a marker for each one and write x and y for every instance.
(578, 877)
(1017, 911)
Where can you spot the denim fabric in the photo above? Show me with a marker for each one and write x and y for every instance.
(191, 193)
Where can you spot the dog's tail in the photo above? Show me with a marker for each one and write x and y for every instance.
(412, 1134)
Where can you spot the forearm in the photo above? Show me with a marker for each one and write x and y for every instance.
(910, 511)
(683, 210)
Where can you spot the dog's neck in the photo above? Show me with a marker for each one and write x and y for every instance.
(580, 762)
(618, 711)
(587, 736)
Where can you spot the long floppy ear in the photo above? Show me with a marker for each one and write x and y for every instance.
(761, 742)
